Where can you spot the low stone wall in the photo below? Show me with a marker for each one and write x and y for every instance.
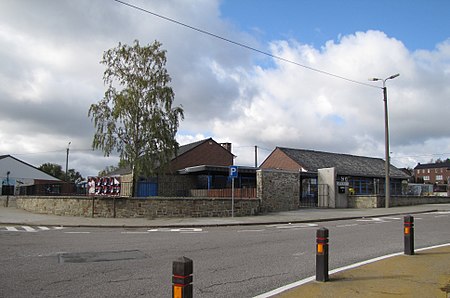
(376, 201)
(155, 207)
(11, 201)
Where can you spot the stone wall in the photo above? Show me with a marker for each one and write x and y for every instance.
(278, 190)
(138, 208)
(375, 201)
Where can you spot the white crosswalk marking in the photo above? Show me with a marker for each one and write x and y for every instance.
(12, 229)
(29, 229)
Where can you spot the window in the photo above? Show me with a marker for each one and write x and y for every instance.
(428, 171)
(361, 185)
(439, 177)
(426, 178)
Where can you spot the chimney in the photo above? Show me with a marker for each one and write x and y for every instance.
(227, 146)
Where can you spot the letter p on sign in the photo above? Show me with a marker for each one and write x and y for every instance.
(233, 171)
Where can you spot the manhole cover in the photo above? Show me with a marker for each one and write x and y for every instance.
(103, 256)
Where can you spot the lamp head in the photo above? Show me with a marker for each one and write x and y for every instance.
(393, 76)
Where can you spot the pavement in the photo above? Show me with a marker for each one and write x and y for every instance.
(425, 274)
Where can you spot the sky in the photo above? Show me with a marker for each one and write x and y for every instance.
(317, 96)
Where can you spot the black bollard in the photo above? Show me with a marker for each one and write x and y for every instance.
(322, 254)
(182, 278)
(408, 222)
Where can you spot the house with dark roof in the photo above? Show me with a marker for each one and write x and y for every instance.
(433, 173)
(203, 152)
(357, 175)
(16, 173)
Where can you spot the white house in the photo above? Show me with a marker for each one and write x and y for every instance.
(19, 173)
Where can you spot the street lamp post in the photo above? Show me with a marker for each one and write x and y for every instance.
(67, 159)
(386, 137)
(8, 188)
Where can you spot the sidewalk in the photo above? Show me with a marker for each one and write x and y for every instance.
(14, 216)
(425, 274)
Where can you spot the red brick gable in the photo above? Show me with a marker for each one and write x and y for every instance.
(208, 152)
(279, 160)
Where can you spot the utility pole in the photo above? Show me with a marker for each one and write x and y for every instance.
(256, 156)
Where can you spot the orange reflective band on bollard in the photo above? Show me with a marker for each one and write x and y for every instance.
(320, 248)
(407, 230)
(177, 292)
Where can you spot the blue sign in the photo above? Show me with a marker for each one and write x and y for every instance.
(233, 171)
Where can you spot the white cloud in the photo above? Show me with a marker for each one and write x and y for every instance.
(304, 109)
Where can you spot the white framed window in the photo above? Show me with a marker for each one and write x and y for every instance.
(426, 178)
(439, 177)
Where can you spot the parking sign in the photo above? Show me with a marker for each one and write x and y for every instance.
(233, 171)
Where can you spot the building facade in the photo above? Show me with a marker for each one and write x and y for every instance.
(359, 174)
(433, 173)
(16, 174)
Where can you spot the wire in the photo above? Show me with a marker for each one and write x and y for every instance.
(52, 151)
(423, 155)
(244, 45)
(30, 153)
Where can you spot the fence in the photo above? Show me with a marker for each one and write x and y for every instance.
(224, 193)
(51, 189)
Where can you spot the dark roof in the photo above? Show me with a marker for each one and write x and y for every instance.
(435, 165)
(345, 164)
(188, 147)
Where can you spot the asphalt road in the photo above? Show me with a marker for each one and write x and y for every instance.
(241, 261)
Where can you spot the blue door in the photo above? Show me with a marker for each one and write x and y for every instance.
(147, 189)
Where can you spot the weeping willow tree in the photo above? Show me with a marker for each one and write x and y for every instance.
(136, 117)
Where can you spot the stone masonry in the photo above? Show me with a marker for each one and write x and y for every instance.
(138, 208)
(278, 190)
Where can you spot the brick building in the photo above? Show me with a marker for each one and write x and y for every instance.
(204, 152)
(365, 175)
(433, 173)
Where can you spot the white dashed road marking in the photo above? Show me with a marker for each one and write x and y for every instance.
(347, 225)
(293, 226)
(179, 230)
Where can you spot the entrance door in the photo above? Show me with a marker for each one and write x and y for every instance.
(308, 193)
